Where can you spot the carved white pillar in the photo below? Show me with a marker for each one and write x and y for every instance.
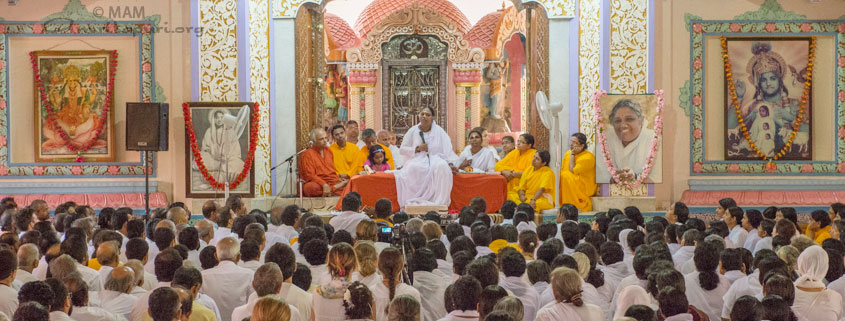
(369, 107)
(460, 117)
(475, 106)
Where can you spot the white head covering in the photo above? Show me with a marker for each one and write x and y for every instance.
(623, 240)
(812, 267)
(630, 295)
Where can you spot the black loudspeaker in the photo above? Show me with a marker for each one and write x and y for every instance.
(146, 126)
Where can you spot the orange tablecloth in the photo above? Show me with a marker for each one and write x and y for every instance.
(464, 188)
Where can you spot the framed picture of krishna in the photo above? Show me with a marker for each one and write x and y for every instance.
(74, 121)
(768, 97)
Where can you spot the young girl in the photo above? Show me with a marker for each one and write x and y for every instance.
(358, 302)
(377, 161)
(327, 302)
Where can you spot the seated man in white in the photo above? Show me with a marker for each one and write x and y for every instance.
(27, 261)
(8, 295)
(429, 281)
(266, 282)
(283, 256)
(190, 278)
(350, 214)
(227, 283)
(115, 295)
(465, 293)
(166, 262)
(426, 176)
(288, 222)
(82, 310)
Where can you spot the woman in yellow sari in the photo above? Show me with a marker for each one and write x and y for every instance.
(537, 184)
(517, 161)
(578, 174)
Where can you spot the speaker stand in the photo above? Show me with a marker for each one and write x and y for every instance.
(147, 160)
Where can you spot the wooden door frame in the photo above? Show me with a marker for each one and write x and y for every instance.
(385, 88)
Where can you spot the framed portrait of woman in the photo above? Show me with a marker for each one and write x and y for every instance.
(629, 134)
(73, 121)
(222, 133)
(769, 75)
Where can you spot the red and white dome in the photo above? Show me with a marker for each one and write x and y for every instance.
(376, 11)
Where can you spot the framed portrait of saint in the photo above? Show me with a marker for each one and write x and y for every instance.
(769, 76)
(629, 134)
(73, 106)
(221, 134)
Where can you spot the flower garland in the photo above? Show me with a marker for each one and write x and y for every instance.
(51, 112)
(652, 154)
(195, 150)
(798, 119)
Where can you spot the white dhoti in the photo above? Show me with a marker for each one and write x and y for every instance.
(425, 178)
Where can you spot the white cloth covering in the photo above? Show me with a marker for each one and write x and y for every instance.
(613, 274)
(245, 310)
(294, 296)
(738, 236)
(95, 314)
(431, 287)
(252, 265)
(763, 244)
(60, 316)
(381, 296)
(444, 266)
(116, 302)
(482, 161)
(287, 233)
(540, 287)
(633, 156)
(734, 275)
(347, 221)
(319, 272)
(751, 240)
(40, 271)
(525, 292)
(683, 255)
(8, 300)
(371, 281)
(461, 315)
(630, 295)
(749, 285)
(91, 277)
(567, 311)
(142, 305)
(709, 301)
(229, 285)
(673, 247)
(680, 317)
(482, 251)
(150, 281)
(838, 286)
(425, 178)
(398, 160)
(816, 305)
(24, 277)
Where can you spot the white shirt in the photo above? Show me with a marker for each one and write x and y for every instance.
(708, 301)
(219, 234)
(749, 285)
(347, 221)
(431, 287)
(104, 273)
(318, 272)
(568, 311)
(194, 258)
(482, 251)
(229, 285)
(824, 305)
(371, 281)
(209, 303)
(245, 310)
(751, 240)
(738, 236)
(763, 244)
(461, 315)
(397, 156)
(94, 314)
(287, 233)
(525, 292)
(252, 265)
(40, 271)
(683, 255)
(613, 274)
(381, 295)
(838, 286)
(59, 316)
(24, 277)
(142, 305)
(116, 302)
(91, 277)
(734, 275)
(8, 300)
(150, 281)
(444, 266)
(481, 162)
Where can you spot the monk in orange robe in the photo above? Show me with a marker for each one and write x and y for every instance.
(316, 168)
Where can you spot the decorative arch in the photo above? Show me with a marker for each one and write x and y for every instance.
(554, 8)
(513, 21)
(415, 20)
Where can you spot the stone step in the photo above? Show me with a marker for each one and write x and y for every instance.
(644, 203)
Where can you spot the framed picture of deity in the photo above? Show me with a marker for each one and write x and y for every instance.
(74, 118)
(768, 97)
(220, 148)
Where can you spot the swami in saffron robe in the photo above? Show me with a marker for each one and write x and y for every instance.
(516, 162)
(317, 170)
(364, 154)
(530, 182)
(345, 159)
(577, 185)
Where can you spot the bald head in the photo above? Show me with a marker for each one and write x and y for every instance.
(28, 257)
(319, 138)
(167, 224)
(121, 279)
(107, 254)
(228, 249)
(178, 215)
(209, 210)
(138, 271)
(384, 137)
(205, 230)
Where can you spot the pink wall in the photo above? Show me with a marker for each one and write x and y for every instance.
(516, 57)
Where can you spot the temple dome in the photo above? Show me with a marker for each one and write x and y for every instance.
(483, 33)
(340, 33)
(376, 11)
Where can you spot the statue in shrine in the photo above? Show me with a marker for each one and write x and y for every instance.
(341, 92)
(494, 74)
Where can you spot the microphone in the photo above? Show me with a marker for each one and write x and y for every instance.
(423, 141)
(422, 136)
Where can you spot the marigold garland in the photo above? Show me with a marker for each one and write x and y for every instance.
(735, 101)
(652, 155)
(195, 150)
(51, 113)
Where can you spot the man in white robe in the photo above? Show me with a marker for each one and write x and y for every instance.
(115, 296)
(350, 216)
(432, 287)
(267, 282)
(227, 283)
(426, 176)
(513, 265)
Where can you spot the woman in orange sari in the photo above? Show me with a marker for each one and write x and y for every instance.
(517, 161)
(578, 174)
(537, 184)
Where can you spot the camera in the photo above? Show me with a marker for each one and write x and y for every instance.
(400, 235)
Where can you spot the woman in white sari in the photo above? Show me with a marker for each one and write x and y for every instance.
(705, 288)
(813, 300)
(629, 144)
(426, 176)
(566, 285)
(475, 156)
